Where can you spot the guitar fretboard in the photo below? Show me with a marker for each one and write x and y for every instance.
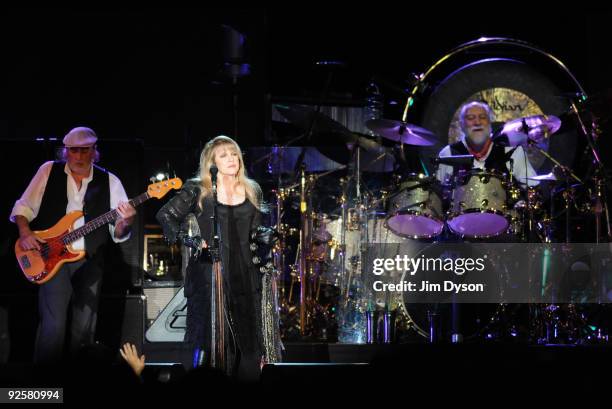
(101, 220)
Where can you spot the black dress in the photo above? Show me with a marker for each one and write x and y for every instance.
(242, 281)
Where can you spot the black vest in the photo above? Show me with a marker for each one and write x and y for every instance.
(55, 200)
(496, 161)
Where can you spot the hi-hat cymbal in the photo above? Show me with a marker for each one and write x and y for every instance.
(398, 131)
(549, 177)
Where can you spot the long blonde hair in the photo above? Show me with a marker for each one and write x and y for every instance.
(252, 190)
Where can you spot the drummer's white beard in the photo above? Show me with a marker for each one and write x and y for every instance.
(480, 138)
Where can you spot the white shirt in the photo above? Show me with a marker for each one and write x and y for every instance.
(521, 168)
(29, 203)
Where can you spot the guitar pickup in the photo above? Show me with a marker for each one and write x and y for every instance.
(25, 262)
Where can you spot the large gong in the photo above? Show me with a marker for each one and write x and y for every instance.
(513, 77)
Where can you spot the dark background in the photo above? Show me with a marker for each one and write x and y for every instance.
(151, 82)
(155, 74)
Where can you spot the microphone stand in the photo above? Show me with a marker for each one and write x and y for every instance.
(217, 310)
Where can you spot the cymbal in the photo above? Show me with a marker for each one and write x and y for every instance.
(304, 117)
(548, 177)
(282, 160)
(398, 131)
(363, 141)
(330, 137)
(559, 174)
(372, 158)
(532, 128)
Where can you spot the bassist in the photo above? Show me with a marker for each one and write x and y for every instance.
(56, 189)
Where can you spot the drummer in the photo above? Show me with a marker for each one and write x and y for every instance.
(475, 119)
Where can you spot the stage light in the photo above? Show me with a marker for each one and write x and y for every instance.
(158, 176)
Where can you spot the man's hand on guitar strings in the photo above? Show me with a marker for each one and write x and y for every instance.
(29, 241)
(126, 213)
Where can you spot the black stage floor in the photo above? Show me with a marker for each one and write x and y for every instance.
(315, 372)
(302, 352)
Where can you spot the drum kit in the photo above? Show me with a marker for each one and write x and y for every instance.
(327, 219)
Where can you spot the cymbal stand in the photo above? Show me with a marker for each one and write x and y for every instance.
(601, 196)
(568, 174)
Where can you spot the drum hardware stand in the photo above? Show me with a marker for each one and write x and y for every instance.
(568, 197)
(514, 194)
(526, 213)
(599, 205)
(345, 281)
(300, 173)
(309, 284)
(380, 326)
(279, 280)
(456, 336)
(303, 250)
(359, 213)
(434, 327)
(550, 327)
(434, 335)
(360, 223)
(568, 173)
(279, 250)
(591, 137)
(548, 320)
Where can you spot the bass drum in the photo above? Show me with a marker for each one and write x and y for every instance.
(474, 321)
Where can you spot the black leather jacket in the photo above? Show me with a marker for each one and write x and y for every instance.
(171, 215)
